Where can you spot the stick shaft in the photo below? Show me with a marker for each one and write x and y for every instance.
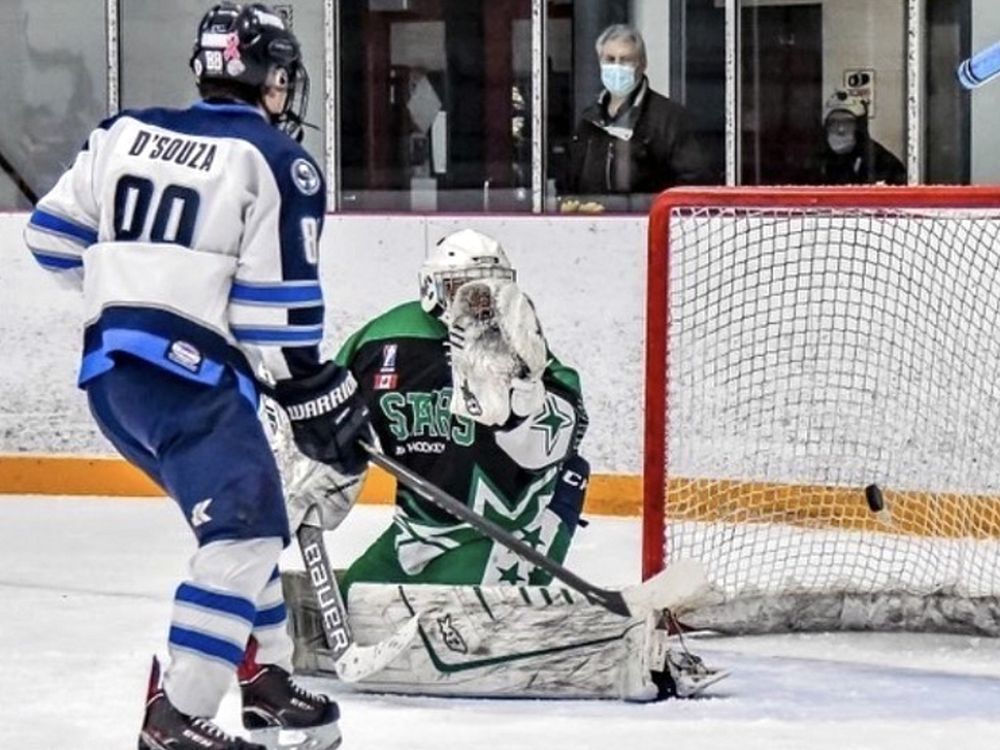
(980, 68)
(333, 613)
(610, 600)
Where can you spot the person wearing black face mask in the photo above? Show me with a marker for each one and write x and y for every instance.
(850, 155)
(632, 142)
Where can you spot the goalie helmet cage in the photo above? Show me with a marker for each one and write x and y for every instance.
(822, 404)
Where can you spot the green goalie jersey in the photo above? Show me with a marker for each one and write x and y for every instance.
(525, 476)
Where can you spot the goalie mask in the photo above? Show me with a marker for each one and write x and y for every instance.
(250, 48)
(460, 257)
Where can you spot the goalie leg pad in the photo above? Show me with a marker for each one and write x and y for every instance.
(499, 641)
(537, 642)
(502, 641)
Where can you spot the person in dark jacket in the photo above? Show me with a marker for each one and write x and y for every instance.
(850, 155)
(632, 139)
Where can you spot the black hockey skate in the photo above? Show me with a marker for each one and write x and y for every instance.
(166, 728)
(279, 713)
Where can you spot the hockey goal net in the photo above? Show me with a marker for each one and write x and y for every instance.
(822, 407)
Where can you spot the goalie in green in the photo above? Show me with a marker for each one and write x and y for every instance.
(463, 390)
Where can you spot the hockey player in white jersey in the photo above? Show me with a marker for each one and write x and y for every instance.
(194, 236)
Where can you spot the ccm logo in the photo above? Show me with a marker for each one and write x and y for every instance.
(574, 479)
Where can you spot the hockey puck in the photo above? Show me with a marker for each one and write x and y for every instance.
(873, 496)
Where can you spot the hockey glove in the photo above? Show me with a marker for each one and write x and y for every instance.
(498, 353)
(308, 484)
(328, 417)
(570, 490)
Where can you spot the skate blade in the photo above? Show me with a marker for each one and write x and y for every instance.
(694, 688)
(325, 737)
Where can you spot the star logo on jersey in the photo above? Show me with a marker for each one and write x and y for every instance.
(533, 537)
(511, 575)
(551, 422)
(305, 177)
(199, 514)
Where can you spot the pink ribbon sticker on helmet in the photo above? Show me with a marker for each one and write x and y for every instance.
(232, 51)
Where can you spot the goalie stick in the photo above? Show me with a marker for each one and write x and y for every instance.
(678, 583)
(352, 661)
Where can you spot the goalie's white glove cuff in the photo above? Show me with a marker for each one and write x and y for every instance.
(527, 397)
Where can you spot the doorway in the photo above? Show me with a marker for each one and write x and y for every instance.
(781, 96)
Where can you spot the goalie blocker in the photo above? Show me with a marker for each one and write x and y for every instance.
(502, 641)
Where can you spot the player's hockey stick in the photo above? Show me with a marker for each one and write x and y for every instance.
(680, 583)
(15, 176)
(352, 661)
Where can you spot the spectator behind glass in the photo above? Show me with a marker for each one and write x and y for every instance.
(632, 140)
(850, 155)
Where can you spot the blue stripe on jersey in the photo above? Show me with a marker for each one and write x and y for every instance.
(280, 335)
(55, 262)
(149, 334)
(149, 347)
(305, 316)
(284, 295)
(208, 645)
(47, 222)
(228, 107)
(271, 616)
(235, 606)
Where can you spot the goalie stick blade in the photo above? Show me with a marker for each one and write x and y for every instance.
(681, 586)
(352, 661)
(359, 662)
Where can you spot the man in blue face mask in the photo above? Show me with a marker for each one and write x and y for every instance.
(632, 142)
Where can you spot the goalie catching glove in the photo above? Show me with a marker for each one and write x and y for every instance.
(498, 352)
(328, 417)
(308, 485)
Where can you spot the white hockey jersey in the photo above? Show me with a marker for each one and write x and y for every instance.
(194, 235)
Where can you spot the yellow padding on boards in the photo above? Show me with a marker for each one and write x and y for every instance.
(98, 475)
(37, 474)
(807, 506)
(912, 513)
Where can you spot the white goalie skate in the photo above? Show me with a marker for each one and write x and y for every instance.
(686, 675)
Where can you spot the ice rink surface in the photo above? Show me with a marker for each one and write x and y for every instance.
(86, 586)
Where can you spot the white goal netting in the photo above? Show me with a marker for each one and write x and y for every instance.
(812, 352)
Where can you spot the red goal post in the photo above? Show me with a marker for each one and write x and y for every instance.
(781, 322)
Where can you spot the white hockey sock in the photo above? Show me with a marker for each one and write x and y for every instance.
(214, 612)
(270, 628)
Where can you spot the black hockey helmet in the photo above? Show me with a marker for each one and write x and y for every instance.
(250, 47)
